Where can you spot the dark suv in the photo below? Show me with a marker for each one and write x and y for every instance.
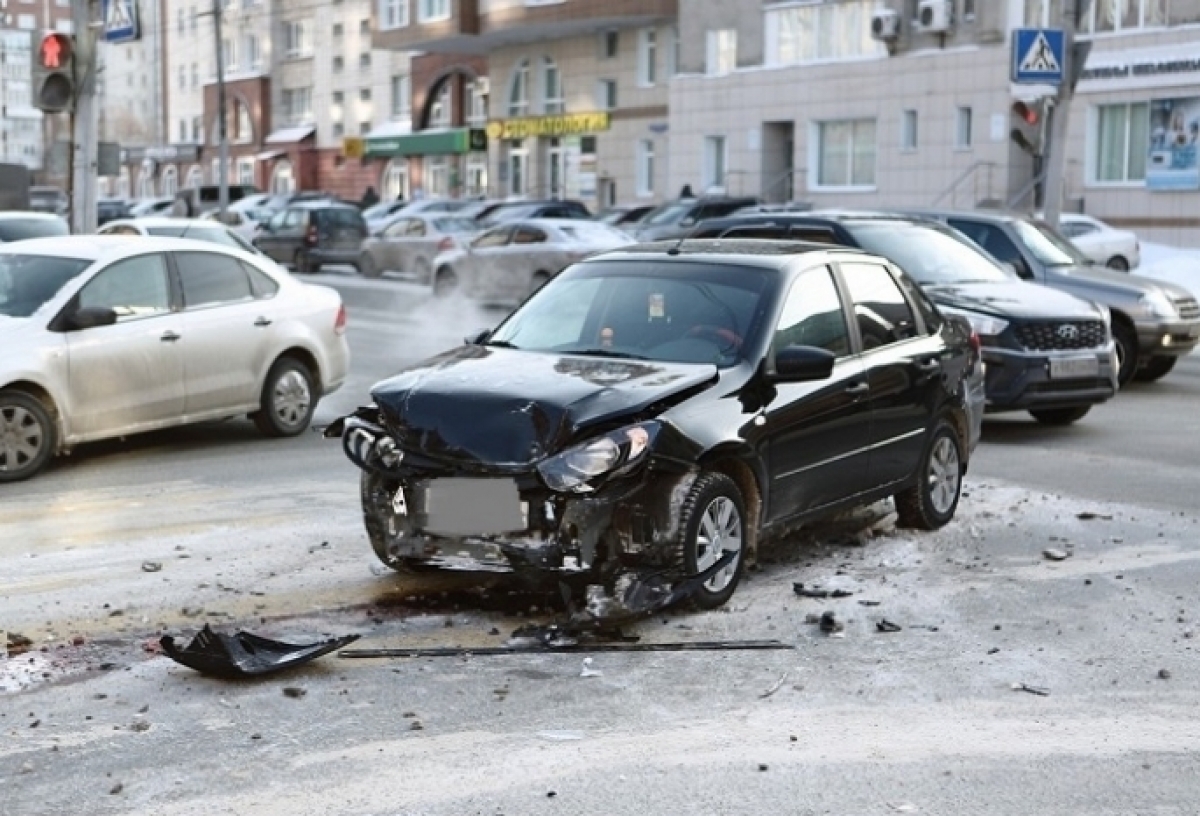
(677, 219)
(1045, 351)
(311, 233)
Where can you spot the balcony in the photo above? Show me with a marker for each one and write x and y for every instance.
(481, 26)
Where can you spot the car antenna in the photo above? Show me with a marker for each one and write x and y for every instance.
(675, 249)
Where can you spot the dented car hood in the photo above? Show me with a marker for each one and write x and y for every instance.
(496, 406)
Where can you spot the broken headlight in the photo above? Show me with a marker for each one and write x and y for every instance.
(573, 470)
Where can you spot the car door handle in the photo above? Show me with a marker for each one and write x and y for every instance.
(169, 337)
(262, 321)
(857, 389)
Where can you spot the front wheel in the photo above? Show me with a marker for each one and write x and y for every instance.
(287, 403)
(302, 263)
(1059, 416)
(1155, 369)
(931, 502)
(27, 436)
(445, 282)
(1118, 263)
(712, 522)
(368, 268)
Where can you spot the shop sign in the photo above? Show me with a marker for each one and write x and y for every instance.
(354, 147)
(1174, 139)
(1143, 69)
(559, 125)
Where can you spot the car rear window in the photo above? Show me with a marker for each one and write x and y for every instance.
(19, 229)
(454, 225)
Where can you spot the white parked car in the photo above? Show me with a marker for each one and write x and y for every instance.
(1114, 248)
(104, 337)
(199, 229)
(509, 261)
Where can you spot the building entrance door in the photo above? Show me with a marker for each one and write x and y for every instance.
(556, 169)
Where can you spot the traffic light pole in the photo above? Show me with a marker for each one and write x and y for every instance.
(82, 179)
(1074, 55)
(222, 113)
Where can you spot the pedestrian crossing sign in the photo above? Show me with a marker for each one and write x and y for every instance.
(120, 20)
(1038, 56)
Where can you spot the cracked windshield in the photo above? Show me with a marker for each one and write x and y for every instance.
(442, 407)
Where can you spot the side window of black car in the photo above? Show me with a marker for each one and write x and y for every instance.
(883, 313)
(992, 239)
(813, 315)
(929, 314)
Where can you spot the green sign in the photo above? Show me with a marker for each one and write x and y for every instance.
(428, 143)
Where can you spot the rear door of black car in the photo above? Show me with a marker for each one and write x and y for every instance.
(819, 432)
(903, 363)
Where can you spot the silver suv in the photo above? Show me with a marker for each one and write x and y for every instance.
(1154, 323)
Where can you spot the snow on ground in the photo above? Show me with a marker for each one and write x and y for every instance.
(1174, 264)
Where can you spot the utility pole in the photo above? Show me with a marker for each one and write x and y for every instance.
(222, 114)
(82, 179)
(1074, 57)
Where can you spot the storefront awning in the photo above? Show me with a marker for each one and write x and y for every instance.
(442, 142)
(268, 155)
(291, 135)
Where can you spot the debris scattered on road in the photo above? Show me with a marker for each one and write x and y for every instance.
(588, 671)
(117, 788)
(1038, 690)
(245, 654)
(151, 566)
(18, 644)
(1164, 674)
(1088, 515)
(295, 692)
(994, 650)
(416, 725)
(1055, 554)
(830, 625)
(885, 625)
(778, 685)
(139, 725)
(493, 651)
(762, 766)
(817, 592)
(865, 602)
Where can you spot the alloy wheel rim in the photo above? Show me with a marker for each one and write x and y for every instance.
(720, 531)
(944, 475)
(291, 399)
(21, 438)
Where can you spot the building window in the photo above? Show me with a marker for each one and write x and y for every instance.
(297, 105)
(518, 158)
(364, 60)
(339, 130)
(437, 176)
(968, 9)
(606, 94)
(393, 14)
(441, 110)
(610, 44)
(845, 153)
(394, 184)
(477, 177)
(244, 127)
(962, 128)
(401, 96)
(1103, 17)
(195, 176)
(721, 52)
(1121, 139)
(338, 65)
(645, 168)
(552, 92)
(431, 11)
(252, 52)
(714, 163)
(183, 131)
(476, 104)
(814, 33)
(197, 129)
(229, 55)
(283, 180)
(674, 45)
(338, 29)
(170, 180)
(195, 75)
(518, 90)
(182, 77)
(297, 38)
(647, 57)
(364, 25)
(908, 130)
(245, 170)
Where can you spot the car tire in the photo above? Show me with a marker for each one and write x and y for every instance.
(1119, 263)
(1127, 351)
(1060, 416)
(368, 268)
(288, 399)
(28, 436)
(1155, 369)
(712, 517)
(445, 283)
(376, 494)
(540, 279)
(931, 502)
(301, 264)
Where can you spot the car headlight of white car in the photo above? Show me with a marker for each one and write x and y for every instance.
(984, 325)
(573, 470)
(1159, 305)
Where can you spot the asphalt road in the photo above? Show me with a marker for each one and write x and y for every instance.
(129, 539)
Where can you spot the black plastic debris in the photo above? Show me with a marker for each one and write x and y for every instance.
(816, 592)
(830, 625)
(1038, 690)
(245, 654)
(885, 625)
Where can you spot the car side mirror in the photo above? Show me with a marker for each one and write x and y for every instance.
(1021, 267)
(477, 338)
(688, 222)
(92, 317)
(803, 364)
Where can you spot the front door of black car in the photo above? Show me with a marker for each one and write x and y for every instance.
(904, 370)
(818, 432)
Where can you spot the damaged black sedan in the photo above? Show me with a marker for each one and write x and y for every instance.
(641, 422)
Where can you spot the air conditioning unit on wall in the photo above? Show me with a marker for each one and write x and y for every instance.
(935, 16)
(885, 25)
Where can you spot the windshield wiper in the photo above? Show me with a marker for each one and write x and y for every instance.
(608, 353)
(500, 344)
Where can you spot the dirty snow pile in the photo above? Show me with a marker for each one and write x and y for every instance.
(1174, 264)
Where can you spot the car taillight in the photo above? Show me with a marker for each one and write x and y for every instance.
(339, 323)
(311, 237)
(446, 244)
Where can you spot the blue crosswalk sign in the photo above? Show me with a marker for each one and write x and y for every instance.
(120, 20)
(1037, 55)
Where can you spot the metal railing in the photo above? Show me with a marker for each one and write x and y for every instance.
(970, 174)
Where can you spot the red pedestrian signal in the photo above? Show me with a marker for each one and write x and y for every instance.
(1029, 113)
(56, 51)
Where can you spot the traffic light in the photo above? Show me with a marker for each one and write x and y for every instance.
(1029, 125)
(54, 73)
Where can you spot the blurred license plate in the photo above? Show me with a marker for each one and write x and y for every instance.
(1067, 368)
(462, 507)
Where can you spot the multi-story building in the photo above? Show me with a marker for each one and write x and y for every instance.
(805, 101)
(575, 97)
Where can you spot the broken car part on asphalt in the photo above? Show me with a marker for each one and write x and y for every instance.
(245, 654)
(635, 444)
